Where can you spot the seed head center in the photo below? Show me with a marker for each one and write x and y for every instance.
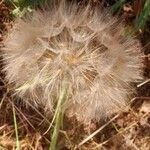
(71, 59)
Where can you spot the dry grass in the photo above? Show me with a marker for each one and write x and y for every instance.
(127, 130)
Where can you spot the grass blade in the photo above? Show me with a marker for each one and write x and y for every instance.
(117, 5)
(16, 129)
(144, 16)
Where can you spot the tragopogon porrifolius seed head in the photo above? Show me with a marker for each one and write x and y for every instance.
(83, 47)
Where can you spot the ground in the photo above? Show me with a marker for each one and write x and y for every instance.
(127, 130)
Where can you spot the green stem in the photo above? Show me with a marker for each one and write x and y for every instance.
(58, 119)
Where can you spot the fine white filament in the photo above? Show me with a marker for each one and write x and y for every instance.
(83, 47)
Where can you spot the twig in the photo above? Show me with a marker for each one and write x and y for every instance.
(97, 131)
(145, 82)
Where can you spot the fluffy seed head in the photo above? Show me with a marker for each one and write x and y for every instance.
(82, 48)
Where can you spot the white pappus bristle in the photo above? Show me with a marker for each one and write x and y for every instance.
(81, 46)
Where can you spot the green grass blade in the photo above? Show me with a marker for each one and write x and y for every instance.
(118, 5)
(16, 129)
(144, 16)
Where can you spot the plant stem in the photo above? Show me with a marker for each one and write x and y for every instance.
(58, 119)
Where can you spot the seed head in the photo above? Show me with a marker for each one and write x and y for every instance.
(82, 48)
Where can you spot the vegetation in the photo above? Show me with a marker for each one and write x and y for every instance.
(24, 127)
